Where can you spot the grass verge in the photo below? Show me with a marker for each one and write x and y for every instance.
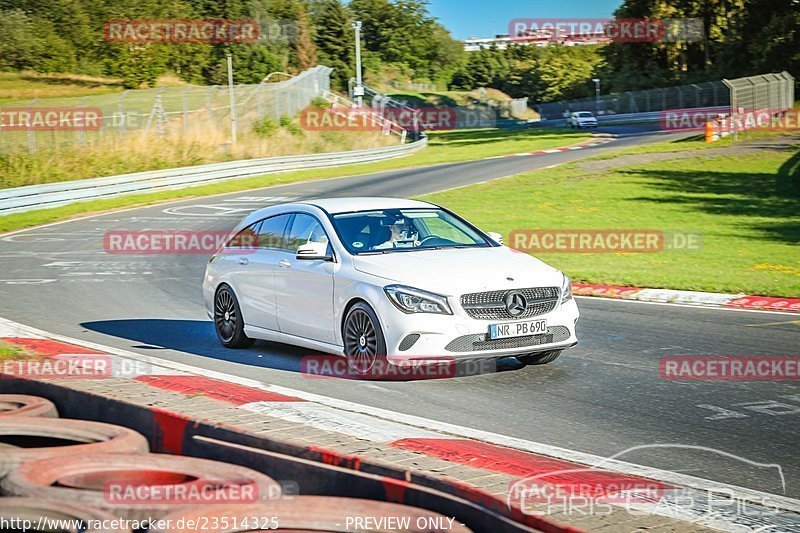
(10, 352)
(746, 208)
(445, 147)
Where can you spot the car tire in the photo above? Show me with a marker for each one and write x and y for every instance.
(364, 343)
(22, 405)
(86, 478)
(228, 319)
(539, 358)
(34, 438)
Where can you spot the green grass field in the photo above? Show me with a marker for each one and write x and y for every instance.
(16, 86)
(445, 147)
(747, 209)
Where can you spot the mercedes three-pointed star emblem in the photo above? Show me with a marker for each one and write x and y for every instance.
(516, 304)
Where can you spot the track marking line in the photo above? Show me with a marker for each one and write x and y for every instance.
(796, 322)
(692, 306)
(327, 418)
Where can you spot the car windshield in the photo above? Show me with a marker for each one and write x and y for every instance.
(585, 114)
(404, 230)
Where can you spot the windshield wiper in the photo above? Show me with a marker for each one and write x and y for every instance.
(421, 248)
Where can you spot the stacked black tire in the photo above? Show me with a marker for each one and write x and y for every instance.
(55, 470)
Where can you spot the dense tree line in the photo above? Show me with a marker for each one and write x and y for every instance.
(542, 74)
(742, 38)
(67, 36)
(400, 40)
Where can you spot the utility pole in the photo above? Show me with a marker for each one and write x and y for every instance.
(358, 90)
(232, 94)
(596, 94)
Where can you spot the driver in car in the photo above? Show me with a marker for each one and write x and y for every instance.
(399, 236)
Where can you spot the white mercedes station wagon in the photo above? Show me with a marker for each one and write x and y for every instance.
(382, 278)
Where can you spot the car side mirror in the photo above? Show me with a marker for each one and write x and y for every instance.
(314, 251)
(496, 237)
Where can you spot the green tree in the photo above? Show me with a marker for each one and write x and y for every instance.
(305, 51)
(334, 40)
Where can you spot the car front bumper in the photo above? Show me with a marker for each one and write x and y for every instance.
(460, 337)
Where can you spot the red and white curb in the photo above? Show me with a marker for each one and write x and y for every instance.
(491, 452)
(703, 299)
(596, 141)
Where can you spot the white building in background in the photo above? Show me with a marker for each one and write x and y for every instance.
(473, 44)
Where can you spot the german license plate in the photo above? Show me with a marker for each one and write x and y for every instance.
(517, 329)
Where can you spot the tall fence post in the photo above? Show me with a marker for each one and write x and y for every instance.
(186, 111)
(31, 131)
(79, 132)
(121, 114)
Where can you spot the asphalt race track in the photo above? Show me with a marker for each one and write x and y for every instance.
(602, 397)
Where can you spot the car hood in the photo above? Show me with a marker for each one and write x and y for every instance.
(461, 270)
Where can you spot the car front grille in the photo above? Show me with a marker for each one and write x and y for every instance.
(492, 306)
(476, 343)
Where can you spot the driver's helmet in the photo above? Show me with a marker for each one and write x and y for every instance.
(405, 229)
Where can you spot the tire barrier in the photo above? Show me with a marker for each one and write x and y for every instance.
(22, 405)
(40, 438)
(311, 513)
(139, 486)
(28, 513)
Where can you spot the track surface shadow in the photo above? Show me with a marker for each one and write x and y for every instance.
(197, 337)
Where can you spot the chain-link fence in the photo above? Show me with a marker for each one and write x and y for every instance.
(742, 95)
(773, 92)
(709, 94)
(30, 126)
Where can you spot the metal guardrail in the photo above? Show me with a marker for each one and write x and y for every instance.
(47, 195)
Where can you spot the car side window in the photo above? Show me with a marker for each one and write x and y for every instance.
(305, 229)
(271, 233)
(246, 238)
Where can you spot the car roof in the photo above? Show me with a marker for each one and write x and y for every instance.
(334, 206)
(345, 205)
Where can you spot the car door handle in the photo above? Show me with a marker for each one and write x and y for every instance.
(244, 261)
(285, 263)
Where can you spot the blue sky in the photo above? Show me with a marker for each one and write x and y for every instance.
(486, 18)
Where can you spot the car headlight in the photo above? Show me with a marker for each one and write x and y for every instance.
(411, 300)
(566, 290)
